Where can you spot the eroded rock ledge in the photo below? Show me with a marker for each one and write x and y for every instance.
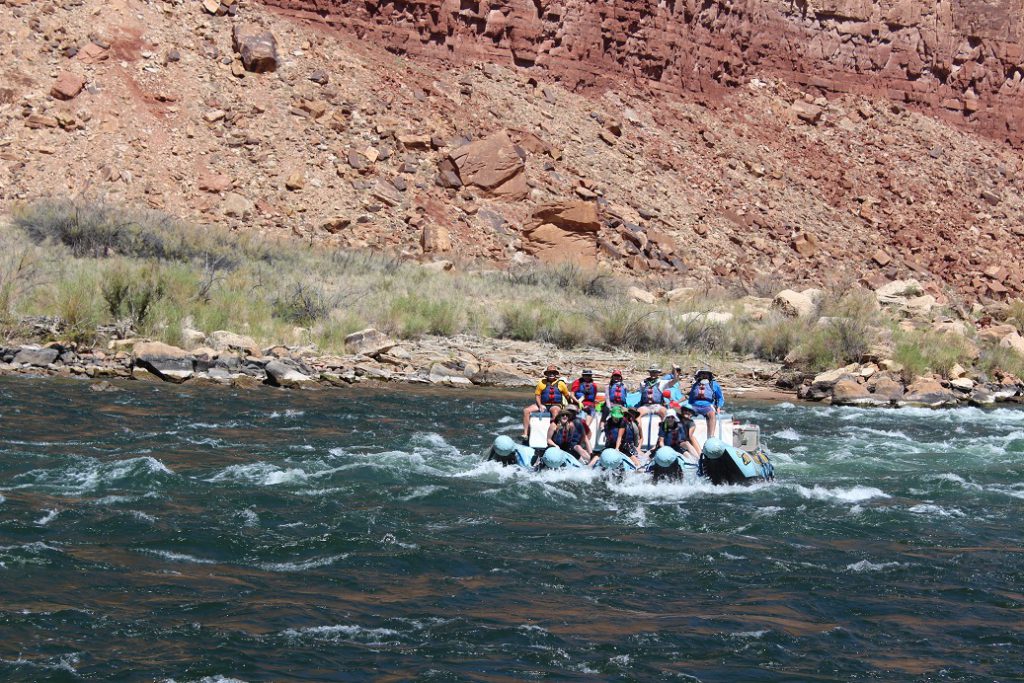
(959, 60)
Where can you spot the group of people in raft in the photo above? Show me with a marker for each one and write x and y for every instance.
(574, 411)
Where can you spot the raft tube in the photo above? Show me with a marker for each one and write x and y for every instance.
(725, 464)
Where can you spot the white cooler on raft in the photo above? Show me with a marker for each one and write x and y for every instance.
(724, 429)
(539, 423)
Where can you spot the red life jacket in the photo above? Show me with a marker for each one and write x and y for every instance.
(550, 395)
(617, 393)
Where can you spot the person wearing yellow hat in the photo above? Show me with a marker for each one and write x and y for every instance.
(550, 394)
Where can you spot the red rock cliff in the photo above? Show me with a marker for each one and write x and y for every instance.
(960, 60)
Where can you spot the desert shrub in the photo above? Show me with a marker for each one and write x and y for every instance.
(564, 279)
(78, 304)
(302, 304)
(777, 336)
(1015, 313)
(100, 230)
(629, 326)
(19, 274)
(994, 360)
(131, 293)
(524, 321)
(925, 351)
(571, 330)
(413, 315)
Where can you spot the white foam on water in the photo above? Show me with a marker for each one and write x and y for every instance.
(532, 628)
(66, 662)
(768, 511)
(341, 633)
(259, 473)
(637, 516)
(48, 517)
(2, 499)
(749, 634)
(179, 557)
(868, 566)
(730, 556)
(301, 566)
(643, 486)
(286, 413)
(142, 516)
(930, 510)
(854, 494)
(788, 434)
(422, 492)
(956, 479)
(1012, 490)
(620, 660)
(249, 517)
(88, 474)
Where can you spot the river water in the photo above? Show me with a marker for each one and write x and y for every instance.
(177, 533)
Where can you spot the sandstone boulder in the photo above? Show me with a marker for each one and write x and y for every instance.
(793, 304)
(1013, 341)
(579, 216)
(369, 342)
(257, 48)
(281, 373)
(887, 390)
(36, 357)
(223, 340)
(167, 362)
(707, 317)
(928, 393)
(964, 384)
(67, 86)
(435, 238)
(847, 392)
(640, 295)
(552, 244)
(493, 165)
(897, 292)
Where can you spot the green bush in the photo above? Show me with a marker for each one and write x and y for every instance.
(994, 360)
(920, 352)
(79, 306)
(413, 315)
(131, 293)
(302, 304)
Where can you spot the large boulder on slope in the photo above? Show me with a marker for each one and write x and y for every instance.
(848, 392)
(493, 165)
(257, 48)
(792, 303)
(39, 358)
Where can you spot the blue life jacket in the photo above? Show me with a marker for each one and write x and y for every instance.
(703, 393)
(631, 439)
(550, 395)
(650, 394)
(673, 437)
(586, 392)
(567, 437)
(616, 394)
(611, 433)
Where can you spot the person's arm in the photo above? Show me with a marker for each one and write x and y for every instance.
(618, 438)
(551, 433)
(537, 393)
(569, 395)
(719, 396)
(691, 439)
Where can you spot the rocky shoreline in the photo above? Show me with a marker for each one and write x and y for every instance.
(232, 360)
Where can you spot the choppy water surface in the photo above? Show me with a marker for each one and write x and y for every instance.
(188, 534)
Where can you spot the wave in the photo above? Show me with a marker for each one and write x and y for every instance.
(48, 517)
(868, 566)
(301, 566)
(788, 434)
(854, 494)
(935, 510)
(259, 473)
(89, 474)
(341, 633)
(178, 557)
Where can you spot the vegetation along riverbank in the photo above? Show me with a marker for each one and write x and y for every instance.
(100, 290)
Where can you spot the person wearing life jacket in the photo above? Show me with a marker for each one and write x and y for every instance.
(569, 433)
(614, 426)
(585, 389)
(706, 398)
(548, 395)
(631, 436)
(554, 458)
(616, 394)
(652, 396)
(677, 433)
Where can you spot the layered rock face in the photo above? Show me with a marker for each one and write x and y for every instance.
(960, 60)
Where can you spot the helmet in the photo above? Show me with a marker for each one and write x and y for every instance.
(654, 369)
(665, 457)
(611, 459)
(554, 457)
(616, 411)
(714, 448)
(504, 446)
(587, 373)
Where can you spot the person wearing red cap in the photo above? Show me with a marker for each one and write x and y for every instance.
(616, 394)
(548, 395)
